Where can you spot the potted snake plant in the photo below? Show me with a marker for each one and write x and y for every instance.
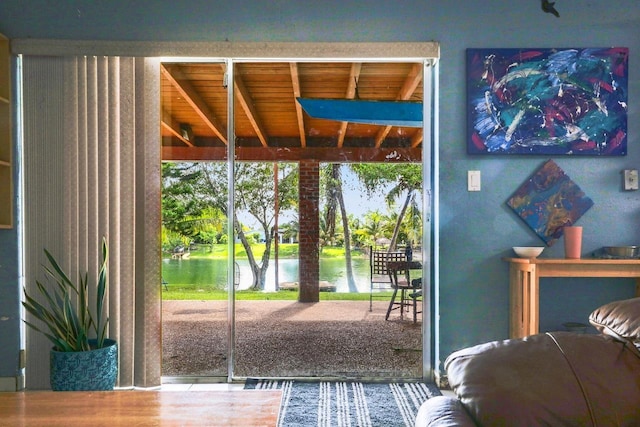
(82, 357)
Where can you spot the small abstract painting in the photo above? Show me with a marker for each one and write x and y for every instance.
(547, 101)
(548, 201)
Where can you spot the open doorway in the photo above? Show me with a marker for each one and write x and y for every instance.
(288, 162)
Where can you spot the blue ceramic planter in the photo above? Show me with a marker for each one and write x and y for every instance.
(85, 370)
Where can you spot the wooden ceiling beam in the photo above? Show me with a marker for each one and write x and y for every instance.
(173, 127)
(352, 87)
(243, 97)
(294, 154)
(406, 91)
(411, 82)
(382, 134)
(173, 74)
(417, 138)
(295, 81)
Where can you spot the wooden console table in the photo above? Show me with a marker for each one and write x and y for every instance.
(524, 284)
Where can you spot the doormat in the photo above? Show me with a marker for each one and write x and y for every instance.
(348, 403)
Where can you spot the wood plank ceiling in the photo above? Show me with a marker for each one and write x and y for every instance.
(270, 125)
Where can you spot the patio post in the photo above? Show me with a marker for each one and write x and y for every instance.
(309, 255)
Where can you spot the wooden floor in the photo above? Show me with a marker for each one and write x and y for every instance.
(140, 408)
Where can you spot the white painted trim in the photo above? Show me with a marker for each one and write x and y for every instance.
(236, 50)
(8, 384)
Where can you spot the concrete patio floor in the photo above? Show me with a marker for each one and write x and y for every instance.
(291, 339)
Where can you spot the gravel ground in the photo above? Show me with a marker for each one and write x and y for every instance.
(290, 339)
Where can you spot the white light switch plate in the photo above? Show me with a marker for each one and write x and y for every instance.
(473, 180)
(630, 179)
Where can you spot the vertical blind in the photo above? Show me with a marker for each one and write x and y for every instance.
(91, 145)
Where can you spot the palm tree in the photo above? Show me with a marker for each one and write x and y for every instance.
(409, 200)
(413, 222)
(373, 226)
(403, 179)
(358, 239)
(290, 230)
(335, 198)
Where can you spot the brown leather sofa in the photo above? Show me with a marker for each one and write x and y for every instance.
(549, 379)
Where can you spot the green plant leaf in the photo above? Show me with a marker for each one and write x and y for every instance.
(64, 307)
(101, 294)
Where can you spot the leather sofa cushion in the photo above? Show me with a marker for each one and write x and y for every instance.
(620, 319)
(443, 411)
(553, 379)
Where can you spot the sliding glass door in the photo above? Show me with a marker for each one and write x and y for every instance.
(272, 208)
(197, 263)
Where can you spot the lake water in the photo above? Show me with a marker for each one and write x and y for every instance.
(212, 273)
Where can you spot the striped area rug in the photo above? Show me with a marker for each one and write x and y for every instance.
(348, 404)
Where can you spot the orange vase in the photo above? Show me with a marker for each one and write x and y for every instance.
(572, 242)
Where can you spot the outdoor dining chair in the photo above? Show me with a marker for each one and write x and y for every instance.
(407, 293)
(380, 280)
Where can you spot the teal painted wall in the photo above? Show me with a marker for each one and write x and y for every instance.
(476, 229)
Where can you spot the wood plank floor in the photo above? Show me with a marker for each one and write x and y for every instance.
(140, 408)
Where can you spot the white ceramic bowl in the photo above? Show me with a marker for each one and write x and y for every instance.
(528, 251)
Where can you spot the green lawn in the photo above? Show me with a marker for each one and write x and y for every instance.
(185, 294)
(285, 250)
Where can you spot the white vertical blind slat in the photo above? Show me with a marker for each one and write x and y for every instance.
(147, 220)
(72, 160)
(114, 214)
(43, 208)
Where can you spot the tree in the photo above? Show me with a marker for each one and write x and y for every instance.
(331, 204)
(358, 239)
(335, 198)
(290, 230)
(401, 178)
(179, 206)
(373, 227)
(205, 184)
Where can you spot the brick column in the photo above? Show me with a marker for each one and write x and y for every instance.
(309, 234)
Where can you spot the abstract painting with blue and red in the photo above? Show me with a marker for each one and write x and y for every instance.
(547, 101)
(549, 201)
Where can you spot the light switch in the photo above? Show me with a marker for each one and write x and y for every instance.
(473, 180)
(630, 179)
